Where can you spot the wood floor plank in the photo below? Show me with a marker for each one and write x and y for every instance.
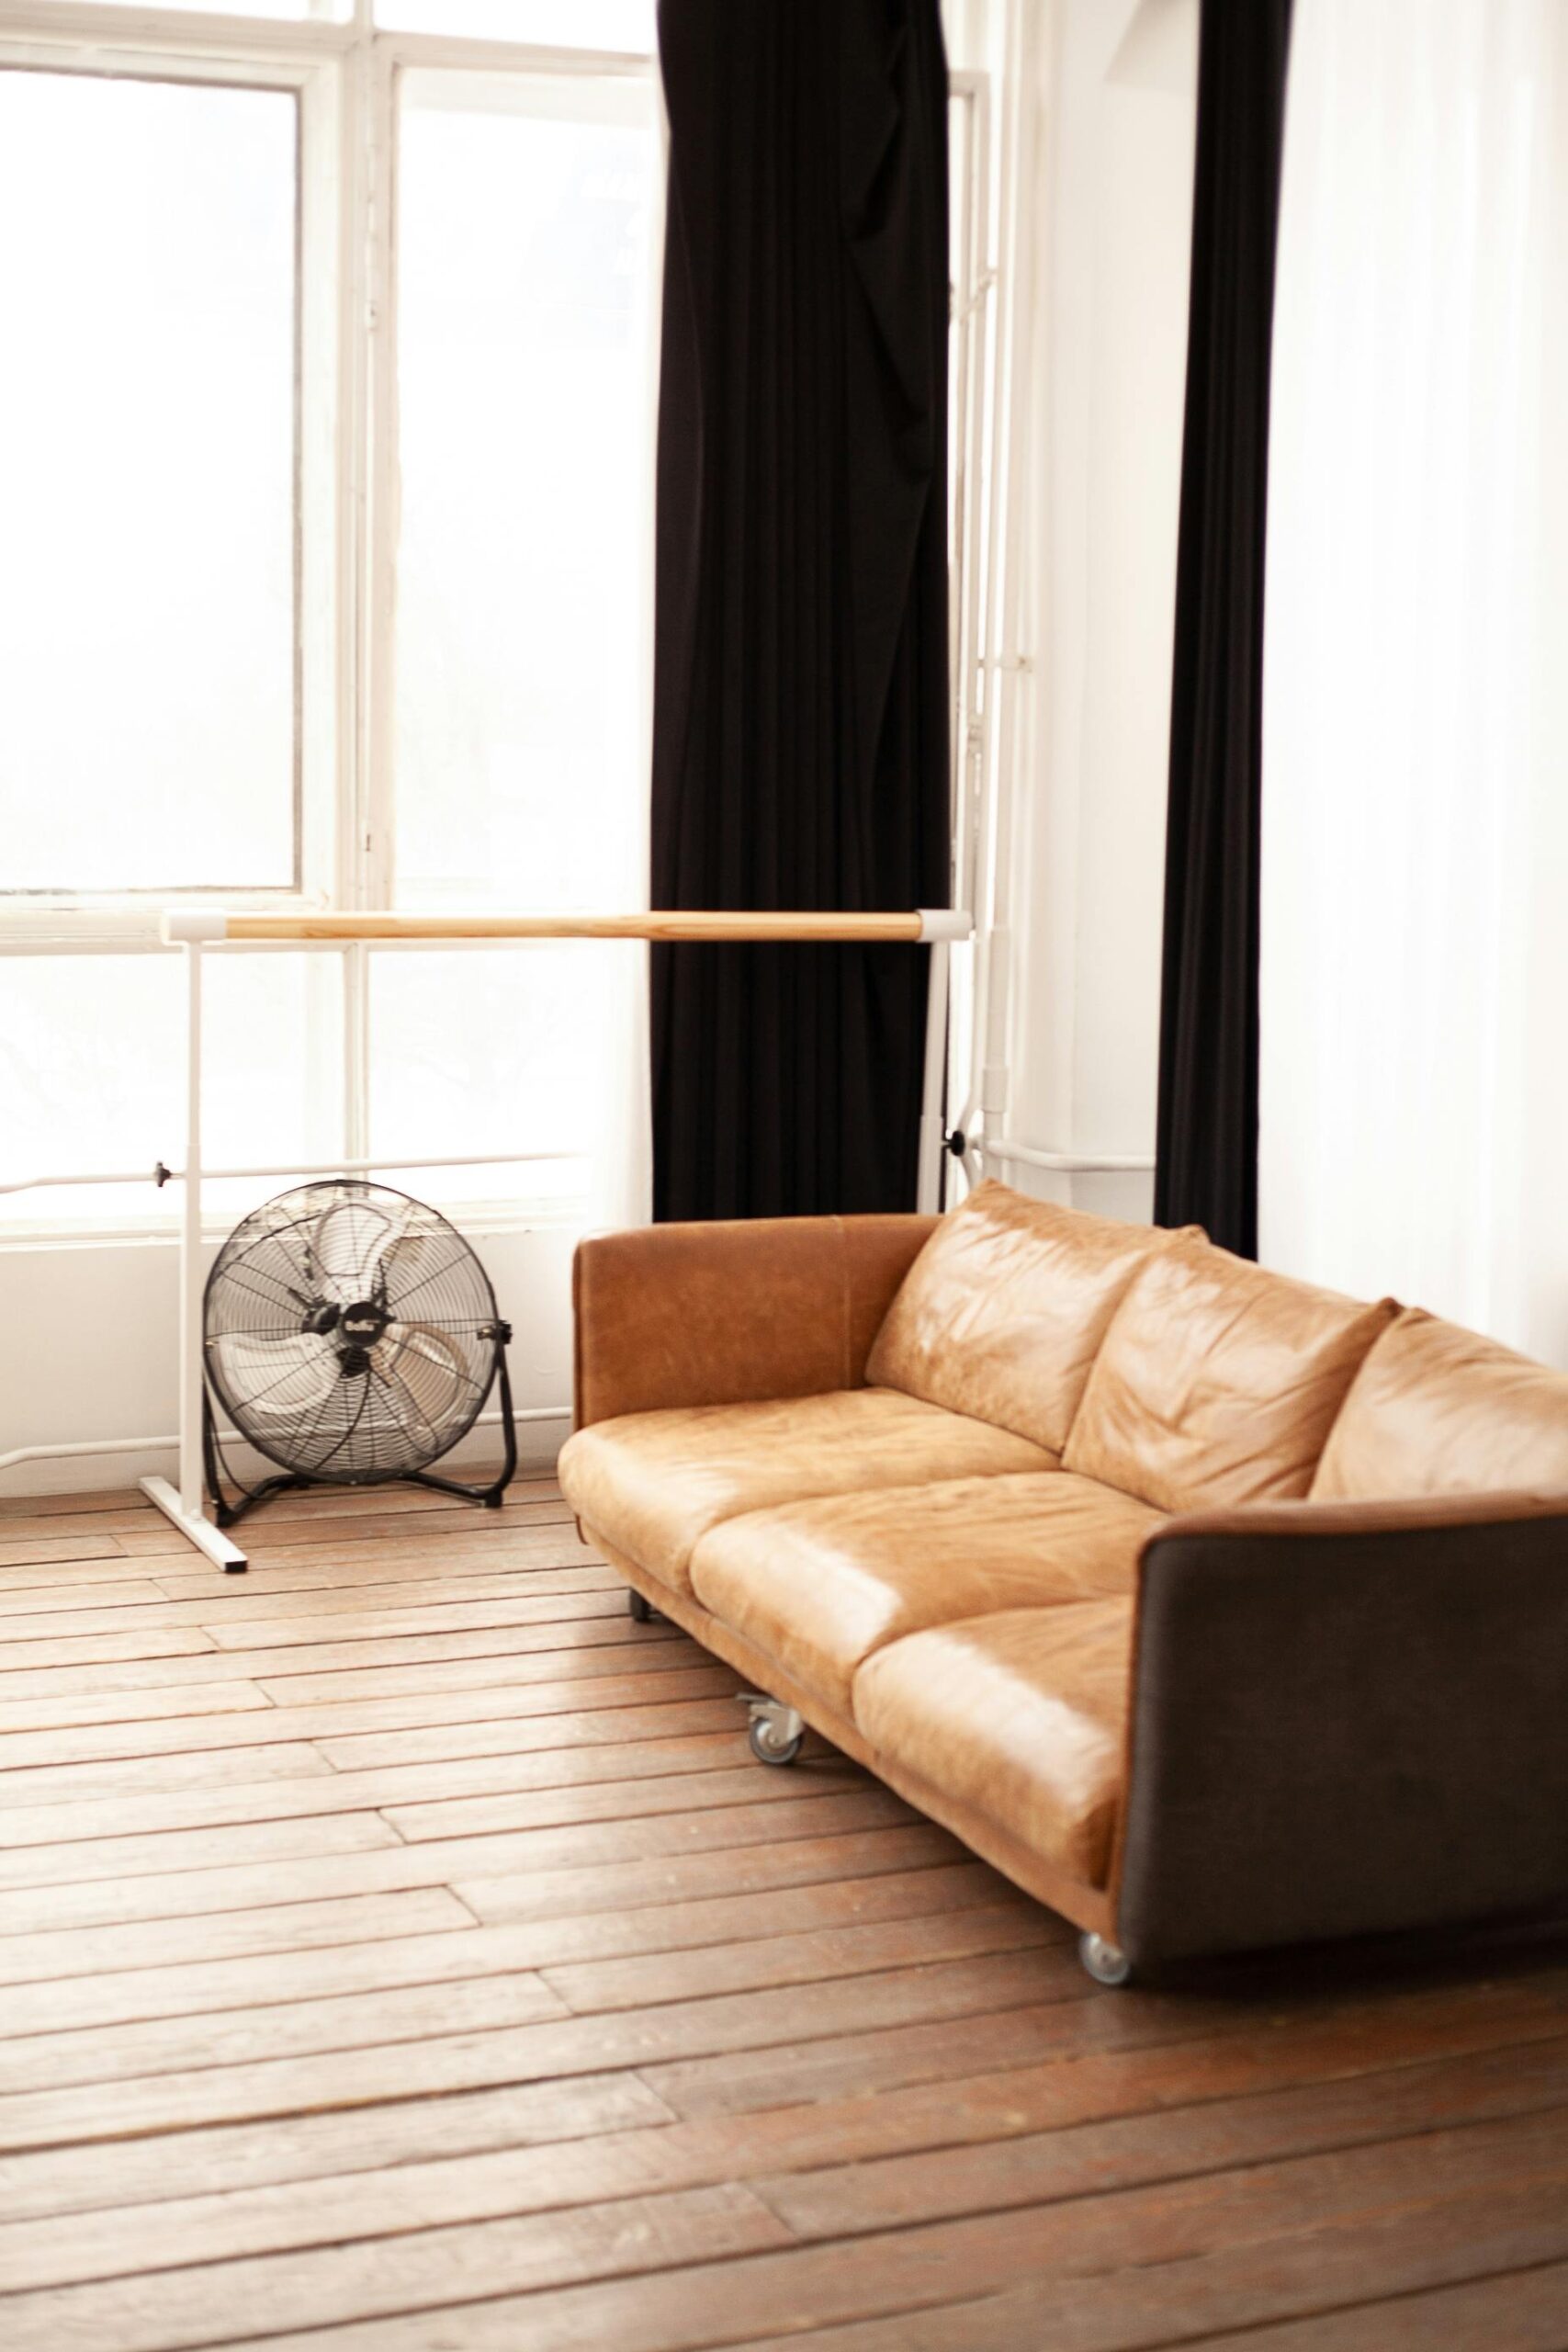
(30, 1551)
(70, 1710)
(233, 2159)
(809, 1955)
(147, 1644)
(801, 1861)
(173, 2310)
(561, 1640)
(204, 1661)
(89, 1502)
(1275, 2296)
(702, 1735)
(1211, 2137)
(756, 1925)
(548, 1598)
(483, 1817)
(48, 1614)
(439, 2063)
(1087, 2268)
(597, 1678)
(343, 1561)
(44, 1784)
(508, 1858)
(657, 1706)
(359, 2021)
(1514, 2310)
(51, 1602)
(166, 1852)
(97, 1605)
(68, 1577)
(1418, 2108)
(1083, 2043)
(472, 1995)
(159, 1853)
(550, 1554)
(214, 1936)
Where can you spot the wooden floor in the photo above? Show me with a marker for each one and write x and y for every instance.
(400, 1949)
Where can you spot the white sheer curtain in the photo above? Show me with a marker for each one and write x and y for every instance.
(1415, 920)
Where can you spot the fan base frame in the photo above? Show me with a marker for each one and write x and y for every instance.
(228, 1512)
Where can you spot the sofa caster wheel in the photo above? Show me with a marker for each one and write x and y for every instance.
(643, 1612)
(1105, 1961)
(769, 1746)
(775, 1732)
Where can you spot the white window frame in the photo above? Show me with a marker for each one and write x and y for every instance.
(345, 75)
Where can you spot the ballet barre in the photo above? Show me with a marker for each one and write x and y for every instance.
(195, 929)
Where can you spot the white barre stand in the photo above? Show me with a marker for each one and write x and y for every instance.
(192, 929)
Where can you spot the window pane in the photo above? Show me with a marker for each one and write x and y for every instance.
(525, 384)
(147, 482)
(480, 1049)
(627, 25)
(92, 1073)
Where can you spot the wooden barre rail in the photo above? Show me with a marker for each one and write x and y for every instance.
(198, 926)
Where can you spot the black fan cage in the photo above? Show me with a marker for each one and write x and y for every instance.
(350, 1333)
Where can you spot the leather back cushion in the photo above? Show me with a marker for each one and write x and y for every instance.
(1004, 1310)
(1437, 1410)
(1219, 1383)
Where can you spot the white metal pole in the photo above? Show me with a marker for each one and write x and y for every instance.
(190, 1249)
(185, 1508)
(927, 1195)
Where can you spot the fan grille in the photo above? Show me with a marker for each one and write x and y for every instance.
(351, 1333)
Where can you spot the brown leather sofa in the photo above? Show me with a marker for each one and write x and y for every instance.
(1216, 1610)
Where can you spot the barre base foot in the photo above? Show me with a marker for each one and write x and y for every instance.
(197, 1528)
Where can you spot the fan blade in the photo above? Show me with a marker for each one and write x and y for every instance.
(349, 1245)
(271, 1382)
(410, 1258)
(424, 1373)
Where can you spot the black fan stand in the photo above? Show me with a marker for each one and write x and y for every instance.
(227, 1512)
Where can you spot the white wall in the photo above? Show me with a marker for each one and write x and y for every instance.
(1106, 215)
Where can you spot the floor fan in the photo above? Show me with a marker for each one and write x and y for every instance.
(351, 1335)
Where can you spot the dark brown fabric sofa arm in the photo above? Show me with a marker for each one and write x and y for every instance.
(1347, 1719)
(723, 1314)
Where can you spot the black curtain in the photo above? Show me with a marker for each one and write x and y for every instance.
(800, 749)
(1206, 1169)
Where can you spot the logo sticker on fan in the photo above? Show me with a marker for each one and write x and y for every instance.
(352, 1336)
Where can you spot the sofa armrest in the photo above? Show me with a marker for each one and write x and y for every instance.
(1347, 1719)
(723, 1314)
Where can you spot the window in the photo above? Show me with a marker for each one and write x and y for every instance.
(325, 575)
(148, 483)
(522, 380)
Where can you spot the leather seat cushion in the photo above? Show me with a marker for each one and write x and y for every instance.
(1218, 1382)
(1003, 1311)
(1021, 1716)
(651, 1483)
(1439, 1410)
(821, 1585)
